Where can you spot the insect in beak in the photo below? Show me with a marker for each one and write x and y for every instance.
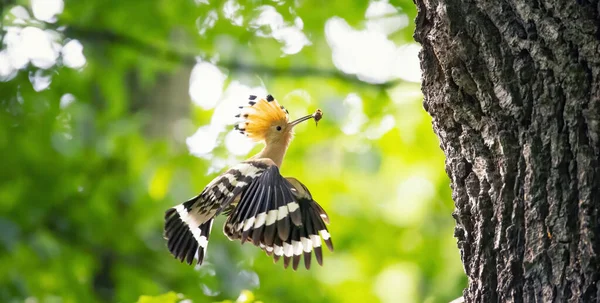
(317, 116)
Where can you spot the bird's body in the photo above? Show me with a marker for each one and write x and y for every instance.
(274, 213)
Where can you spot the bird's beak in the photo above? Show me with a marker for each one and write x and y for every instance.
(300, 120)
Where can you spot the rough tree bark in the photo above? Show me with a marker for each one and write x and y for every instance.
(513, 87)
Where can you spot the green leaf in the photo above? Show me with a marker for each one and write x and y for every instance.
(169, 297)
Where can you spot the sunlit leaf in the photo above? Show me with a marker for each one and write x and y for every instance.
(169, 297)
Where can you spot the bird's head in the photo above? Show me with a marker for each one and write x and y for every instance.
(266, 120)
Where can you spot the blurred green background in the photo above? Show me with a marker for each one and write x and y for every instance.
(113, 111)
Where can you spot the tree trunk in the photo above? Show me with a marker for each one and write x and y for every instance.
(513, 87)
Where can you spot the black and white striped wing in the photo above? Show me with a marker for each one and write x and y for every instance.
(281, 219)
(266, 210)
(309, 234)
(188, 225)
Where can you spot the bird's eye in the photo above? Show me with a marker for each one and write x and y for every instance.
(278, 128)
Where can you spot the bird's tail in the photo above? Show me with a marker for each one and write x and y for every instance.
(303, 239)
(186, 239)
(293, 241)
(280, 216)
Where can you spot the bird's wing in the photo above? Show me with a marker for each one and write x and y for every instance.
(314, 228)
(188, 225)
(279, 215)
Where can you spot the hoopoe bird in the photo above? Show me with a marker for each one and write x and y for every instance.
(276, 213)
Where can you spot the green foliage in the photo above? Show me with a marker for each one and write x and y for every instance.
(92, 160)
(169, 297)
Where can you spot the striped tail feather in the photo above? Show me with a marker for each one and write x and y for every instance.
(267, 209)
(302, 240)
(305, 239)
(279, 216)
(186, 241)
(316, 218)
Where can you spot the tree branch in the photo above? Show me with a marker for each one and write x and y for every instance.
(180, 57)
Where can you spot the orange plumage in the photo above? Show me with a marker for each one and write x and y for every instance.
(260, 116)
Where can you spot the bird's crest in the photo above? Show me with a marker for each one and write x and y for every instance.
(259, 115)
